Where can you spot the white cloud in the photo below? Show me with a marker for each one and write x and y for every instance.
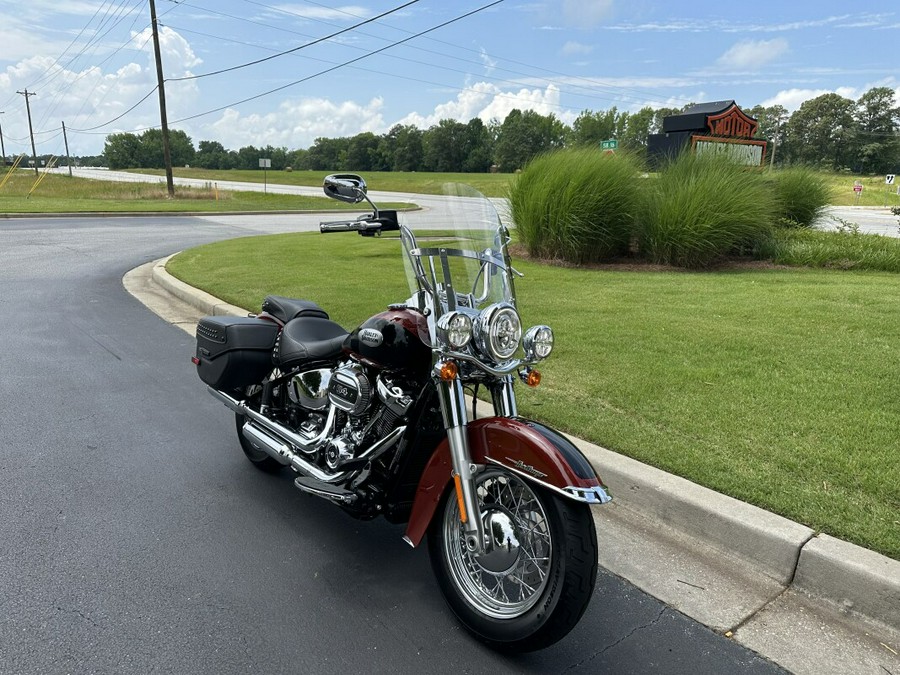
(487, 101)
(752, 54)
(792, 99)
(296, 124)
(489, 63)
(572, 48)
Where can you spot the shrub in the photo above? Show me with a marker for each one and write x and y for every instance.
(576, 204)
(801, 195)
(701, 208)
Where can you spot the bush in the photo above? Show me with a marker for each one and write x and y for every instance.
(576, 204)
(801, 195)
(701, 208)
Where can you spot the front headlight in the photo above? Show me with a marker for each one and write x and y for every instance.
(498, 331)
(455, 329)
(538, 342)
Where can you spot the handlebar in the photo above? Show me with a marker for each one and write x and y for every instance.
(367, 225)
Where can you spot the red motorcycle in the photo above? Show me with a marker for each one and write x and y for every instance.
(375, 420)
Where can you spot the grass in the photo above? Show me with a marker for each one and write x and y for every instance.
(576, 205)
(701, 208)
(845, 250)
(875, 192)
(488, 184)
(778, 387)
(64, 194)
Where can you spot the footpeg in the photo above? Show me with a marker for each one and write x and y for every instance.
(326, 490)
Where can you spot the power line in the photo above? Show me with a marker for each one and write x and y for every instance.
(295, 49)
(345, 63)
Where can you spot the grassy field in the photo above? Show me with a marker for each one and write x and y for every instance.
(491, 185)
(874, 193)
(778, 387)
(62, 194)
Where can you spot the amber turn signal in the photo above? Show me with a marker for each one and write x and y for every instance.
(533, 378)
(449, 371)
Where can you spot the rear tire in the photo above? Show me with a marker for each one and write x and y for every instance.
(257, 458)
(532, 592)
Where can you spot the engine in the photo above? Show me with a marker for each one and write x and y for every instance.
(363, 411)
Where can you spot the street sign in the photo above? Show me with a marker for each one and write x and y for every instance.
(611, 144)
(265, 163)
(857, 188)
(889, 179)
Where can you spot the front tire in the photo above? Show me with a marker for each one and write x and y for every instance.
(532, 588)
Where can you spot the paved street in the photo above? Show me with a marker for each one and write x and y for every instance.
(135, 537)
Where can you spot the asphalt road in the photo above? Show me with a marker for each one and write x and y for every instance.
(135, 537)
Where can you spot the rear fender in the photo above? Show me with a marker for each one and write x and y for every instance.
(533, 451)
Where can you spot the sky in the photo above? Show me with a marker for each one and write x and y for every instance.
(91, 64)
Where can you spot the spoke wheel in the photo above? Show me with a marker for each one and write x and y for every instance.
(507, 581)
(534, 581)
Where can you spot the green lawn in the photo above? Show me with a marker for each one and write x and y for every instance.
(874, 192)
(62, 194)
(778, 387)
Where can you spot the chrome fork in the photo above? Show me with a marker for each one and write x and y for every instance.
(453, 407)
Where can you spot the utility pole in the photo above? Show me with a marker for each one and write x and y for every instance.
(26, 94)
(164, 123)
(2, 147)
(66, 141)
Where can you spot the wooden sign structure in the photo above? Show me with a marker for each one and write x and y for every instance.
(716, 127)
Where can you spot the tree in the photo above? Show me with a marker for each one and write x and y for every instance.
(181, 149)
(878, 117)
(821, 131)
(479, 150)
(590, 128)
(444, 146)
(632, 129)
(328, 154)
(362, 152)
(122, 151)
(405, 144)
(526, 134)
(212, 155)
(772, 126)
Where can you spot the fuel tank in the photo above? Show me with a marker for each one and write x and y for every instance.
(396, 340)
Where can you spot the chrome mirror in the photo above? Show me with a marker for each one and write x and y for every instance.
(345, 187)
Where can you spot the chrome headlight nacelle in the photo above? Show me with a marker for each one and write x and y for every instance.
(454, 329)
(538, 342)
(498, 331)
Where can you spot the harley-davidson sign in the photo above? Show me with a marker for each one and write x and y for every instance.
(718, 127)
(733, 123)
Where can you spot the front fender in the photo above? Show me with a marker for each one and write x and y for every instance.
(533, 451)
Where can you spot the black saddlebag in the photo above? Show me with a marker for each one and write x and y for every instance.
(234, 351)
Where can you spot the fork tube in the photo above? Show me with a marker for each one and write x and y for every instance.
(453, 407)
(504, 397)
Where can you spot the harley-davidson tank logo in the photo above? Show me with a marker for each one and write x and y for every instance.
(527, 468)
(371, 337)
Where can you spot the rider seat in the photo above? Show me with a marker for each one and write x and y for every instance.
(308, 338)
(285, 309)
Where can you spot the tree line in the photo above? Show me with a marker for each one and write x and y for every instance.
(828, 132)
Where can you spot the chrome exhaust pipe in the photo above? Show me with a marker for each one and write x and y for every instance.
(280, 443)
(282, 453)
(303, 444)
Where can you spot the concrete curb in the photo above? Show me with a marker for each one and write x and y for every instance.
(852, 579)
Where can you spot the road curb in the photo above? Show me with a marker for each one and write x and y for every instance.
(851, 579)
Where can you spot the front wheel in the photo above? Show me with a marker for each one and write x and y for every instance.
(535, 583)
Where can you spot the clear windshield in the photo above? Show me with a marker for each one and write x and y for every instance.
(458, 254)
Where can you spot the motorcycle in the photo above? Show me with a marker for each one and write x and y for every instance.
(375, 420)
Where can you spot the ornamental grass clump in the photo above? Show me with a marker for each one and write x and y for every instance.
(701, 208)
(801, 195)
(576, 205)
